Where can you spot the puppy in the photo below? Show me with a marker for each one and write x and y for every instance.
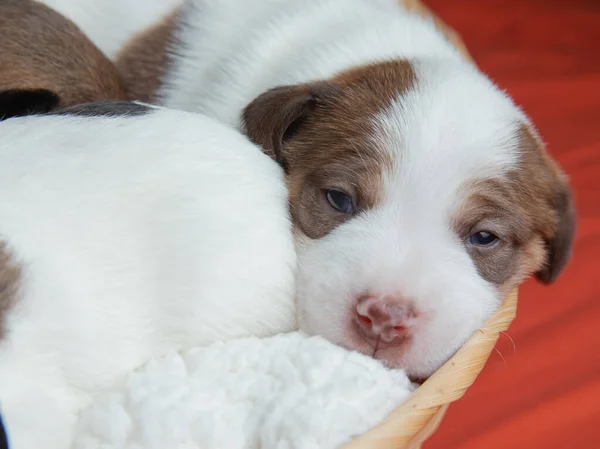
(127, 231)
(47, 62)
(420, 193)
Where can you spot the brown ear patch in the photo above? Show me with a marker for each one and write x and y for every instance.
(10, 276)
(41, 50)
(143, 61)
(277, 115)
(559, 245)
(322, 134)
(557, 218)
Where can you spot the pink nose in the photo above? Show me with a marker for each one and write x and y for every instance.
(384, 318)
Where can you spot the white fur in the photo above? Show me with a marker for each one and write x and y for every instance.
(287, 391)
(111, 23)
(137, 236)
(452, 127)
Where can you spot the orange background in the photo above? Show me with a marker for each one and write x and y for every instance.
(546, 393)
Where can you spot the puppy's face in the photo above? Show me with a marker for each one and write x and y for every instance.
(421, 197)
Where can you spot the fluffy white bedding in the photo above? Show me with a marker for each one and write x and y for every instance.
(288, 391)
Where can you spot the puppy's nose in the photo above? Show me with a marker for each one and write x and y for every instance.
(384, 318)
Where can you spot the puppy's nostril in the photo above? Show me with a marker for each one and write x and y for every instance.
(364, 319)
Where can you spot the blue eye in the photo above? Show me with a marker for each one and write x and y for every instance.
(340, 201)
(483, 238)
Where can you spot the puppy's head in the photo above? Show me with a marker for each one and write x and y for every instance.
(46, 62)
(421, 196)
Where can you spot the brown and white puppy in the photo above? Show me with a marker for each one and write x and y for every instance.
(421, 194)
(47, 62)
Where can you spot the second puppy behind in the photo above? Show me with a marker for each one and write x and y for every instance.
(47, 62)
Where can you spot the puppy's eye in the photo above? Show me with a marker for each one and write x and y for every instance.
(483, 238)
(340, 201)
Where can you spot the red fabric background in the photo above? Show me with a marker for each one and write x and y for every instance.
(546, 394)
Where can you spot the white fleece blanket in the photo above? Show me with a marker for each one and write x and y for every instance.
(288, 391)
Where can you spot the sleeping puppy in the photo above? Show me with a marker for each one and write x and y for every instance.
(47, 62)
(127, 231)
(420, 193)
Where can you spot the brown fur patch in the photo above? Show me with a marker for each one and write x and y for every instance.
(530, 211)
(143, 61)
(490, 207)
(10, 276)
(545, 191)
(320, 132)
(41, 49)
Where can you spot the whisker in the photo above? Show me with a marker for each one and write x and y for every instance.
(501, 356)
(514, 345)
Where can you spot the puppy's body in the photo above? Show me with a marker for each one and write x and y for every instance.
(123, 238)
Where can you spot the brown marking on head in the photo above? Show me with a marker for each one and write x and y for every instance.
(46, 61)
(10, 276)
(321, 133)
(532, 213)
(144, 59)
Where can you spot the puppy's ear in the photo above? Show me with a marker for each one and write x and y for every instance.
(550, 202)
(21, 102)
(275, 116)
(559, 244)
